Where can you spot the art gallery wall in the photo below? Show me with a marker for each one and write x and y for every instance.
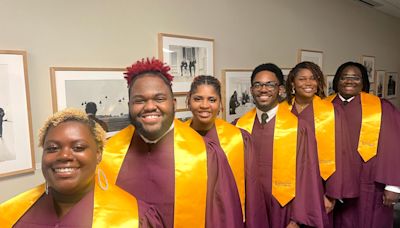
(100, 33)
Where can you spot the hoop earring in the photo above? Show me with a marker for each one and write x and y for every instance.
(101, 175)
(46, 188)
(293, 91)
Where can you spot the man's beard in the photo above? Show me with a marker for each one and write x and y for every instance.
(138, 126)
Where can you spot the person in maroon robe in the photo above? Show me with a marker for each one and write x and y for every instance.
(307, 81)
(147, 170)
(379, 178)
(306, 208)
(204, 101)
(73, 196)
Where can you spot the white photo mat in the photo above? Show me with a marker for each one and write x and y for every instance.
(16, 143)
(170, 51)
(106, 87)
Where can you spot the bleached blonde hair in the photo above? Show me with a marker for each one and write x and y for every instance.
(73, 114)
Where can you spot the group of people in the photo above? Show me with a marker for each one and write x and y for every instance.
(192, 67)
(306, 161)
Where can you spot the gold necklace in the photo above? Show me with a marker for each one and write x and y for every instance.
(300, 107)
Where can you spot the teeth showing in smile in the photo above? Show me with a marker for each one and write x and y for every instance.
(151, 117)
(63, 170)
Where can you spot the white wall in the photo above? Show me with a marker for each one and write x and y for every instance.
(103, 33)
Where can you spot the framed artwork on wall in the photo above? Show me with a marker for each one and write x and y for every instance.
(285, 72)
(100, 90)
(329, 84)
(311, 56)
(380, 88)
(236, 93)
(16, 140)
(372, 91)
(183, 115)
(187, 56)
(392, 84)
(369, 63)
(180, 98)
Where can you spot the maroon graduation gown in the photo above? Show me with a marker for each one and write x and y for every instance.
(43, 214)
(307, 207)
(381, 170)
(148, 173)
(343, 182)
(254, 203)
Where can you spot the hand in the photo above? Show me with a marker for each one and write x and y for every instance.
(390, 198)
(292, 225)
(329, 204)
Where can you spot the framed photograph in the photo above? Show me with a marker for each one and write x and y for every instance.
(183, 115)
(16, 140)
(236, 94)
(180, 98)
(101, 92)
(380, 88)
(329, 84)
(372, 91)
(187, 56)
(285, 72)
(311, 56)
(392, 84)
(369, 63)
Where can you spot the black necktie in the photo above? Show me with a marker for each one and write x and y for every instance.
(345, 102)
(264, 118)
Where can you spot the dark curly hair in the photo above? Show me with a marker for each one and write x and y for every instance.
(146, 66)
(317, 73)
(268, 67)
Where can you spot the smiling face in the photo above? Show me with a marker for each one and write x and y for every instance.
(151, 106)
(350, 82)
(70, 156)
(305, 84)
(265, 97)
(205, 104)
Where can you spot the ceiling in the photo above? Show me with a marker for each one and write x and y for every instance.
(390, 7)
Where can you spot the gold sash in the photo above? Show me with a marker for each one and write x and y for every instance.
(12, 210)
(231, 141)
(113, 207)
(247, 120)
(371, 112)
(190, 171)
(284, 151)
(324, 122)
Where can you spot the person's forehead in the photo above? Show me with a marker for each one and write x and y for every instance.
(148, 83)
(353, 70)
(266, 76)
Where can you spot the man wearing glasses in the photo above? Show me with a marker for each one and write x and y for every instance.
(286, 152)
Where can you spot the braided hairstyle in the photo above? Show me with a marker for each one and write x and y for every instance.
(204, 80)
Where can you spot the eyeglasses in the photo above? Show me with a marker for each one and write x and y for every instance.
(269, 85)
(350, 78)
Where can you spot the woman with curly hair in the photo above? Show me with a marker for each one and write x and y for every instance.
(305, 93)
(75, 193)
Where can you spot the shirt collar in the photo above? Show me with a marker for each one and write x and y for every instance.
(158, 139)
(271, 113)
(344, 99)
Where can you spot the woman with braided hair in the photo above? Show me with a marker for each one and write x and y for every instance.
(204, 101)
